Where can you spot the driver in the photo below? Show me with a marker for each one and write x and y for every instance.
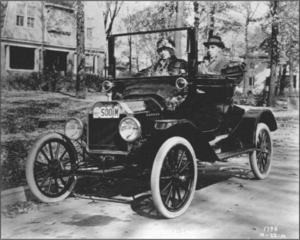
(168, 64)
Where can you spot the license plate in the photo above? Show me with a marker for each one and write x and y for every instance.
(106, 112)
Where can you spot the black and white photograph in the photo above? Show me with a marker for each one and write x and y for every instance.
(149, 119)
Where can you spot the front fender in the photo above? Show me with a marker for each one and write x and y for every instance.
(186, 129)
(44, 137)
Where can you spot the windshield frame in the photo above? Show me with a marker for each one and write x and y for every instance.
(192, 51)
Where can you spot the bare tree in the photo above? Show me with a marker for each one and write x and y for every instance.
(274, 52)
(80, 78)
(110, 13)
(212, 13)
(249, 12)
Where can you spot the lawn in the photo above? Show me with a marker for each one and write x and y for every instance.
(20, 114)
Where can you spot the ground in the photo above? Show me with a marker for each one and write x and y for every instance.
(227, 204)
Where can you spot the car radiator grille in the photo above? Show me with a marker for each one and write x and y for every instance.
(103, 134)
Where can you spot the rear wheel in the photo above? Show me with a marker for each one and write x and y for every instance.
(174, 177)
(261, 159)
(49, 168)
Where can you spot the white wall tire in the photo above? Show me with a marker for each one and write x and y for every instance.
(47, 168)
(174, 177)
(261, 159)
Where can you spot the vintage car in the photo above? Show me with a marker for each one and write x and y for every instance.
(162, 128)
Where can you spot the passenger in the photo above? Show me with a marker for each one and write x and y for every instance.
(217, 61)
(212, 113)
(168, 64)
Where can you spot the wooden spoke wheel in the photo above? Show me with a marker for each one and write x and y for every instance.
(174, 177)
(49, 168)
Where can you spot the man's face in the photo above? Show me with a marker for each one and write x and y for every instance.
(213, 51)
(164, 53)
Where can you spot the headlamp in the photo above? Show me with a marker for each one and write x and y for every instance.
(73, 128)
(130, 129)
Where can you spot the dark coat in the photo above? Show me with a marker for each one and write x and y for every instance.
(170, 66)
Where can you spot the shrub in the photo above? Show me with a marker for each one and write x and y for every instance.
(13, 161)
(49, 81)
(93, 81)
(17, 81)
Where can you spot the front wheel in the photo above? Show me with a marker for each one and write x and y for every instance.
(174, 177)
(261, 159)
(49, 168)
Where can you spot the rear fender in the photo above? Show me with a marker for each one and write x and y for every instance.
(246, 129)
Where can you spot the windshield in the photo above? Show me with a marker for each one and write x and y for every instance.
(151, 54)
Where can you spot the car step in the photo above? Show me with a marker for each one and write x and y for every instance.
(225, 155)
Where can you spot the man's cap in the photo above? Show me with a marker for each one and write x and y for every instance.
(214, 40)
(165, 43)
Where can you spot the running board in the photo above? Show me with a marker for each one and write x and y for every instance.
(226, 155)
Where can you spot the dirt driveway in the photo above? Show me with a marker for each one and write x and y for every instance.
(227, 204)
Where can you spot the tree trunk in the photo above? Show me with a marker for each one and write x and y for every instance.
(277, 87)
(137, 57)
(246, 78)
(273, 79)
(113, 13)
(80, 78)
(291, 88)
(212, 18)
(282, 81)
(130, 53)
(179, 17)
(42, 64)
(274, 55)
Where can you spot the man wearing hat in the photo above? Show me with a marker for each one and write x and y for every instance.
(215, 114)
(217, 61)
(168, 64)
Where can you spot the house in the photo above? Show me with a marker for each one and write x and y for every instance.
(258, 74)
(41, 35)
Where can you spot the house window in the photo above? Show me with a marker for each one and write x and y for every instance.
(30, 16)
(89, 32)
(20, 14)
(21, 58)
(25, 15)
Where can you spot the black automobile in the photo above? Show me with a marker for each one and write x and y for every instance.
(162, 128)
